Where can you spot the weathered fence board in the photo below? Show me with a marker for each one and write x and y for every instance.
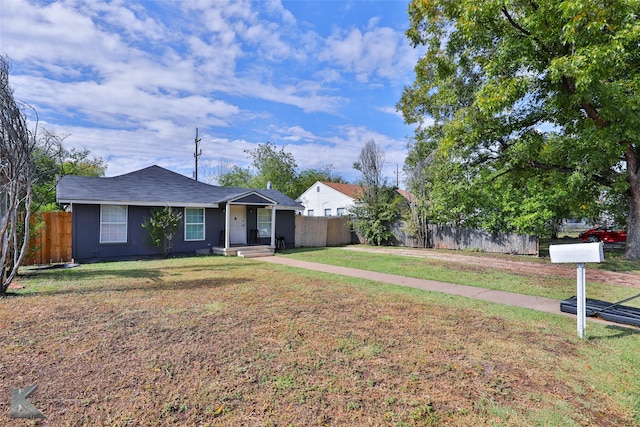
(338, 231)
(335, 231)
(311, 231)
(444, 237)
(52, 240)
(401, 237)
(320, 231)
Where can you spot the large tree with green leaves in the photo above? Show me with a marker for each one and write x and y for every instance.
(274, 165)
(52, 161)
(377, 207)
(534, 102)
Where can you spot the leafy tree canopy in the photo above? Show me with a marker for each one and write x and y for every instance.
(235, 176)
(527, 110)
(378, 206)
(275, 166)
(52, 161)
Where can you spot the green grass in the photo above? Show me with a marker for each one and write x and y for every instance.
(228, 341)
(548, 286)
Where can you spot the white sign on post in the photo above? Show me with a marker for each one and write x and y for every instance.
(579, 254)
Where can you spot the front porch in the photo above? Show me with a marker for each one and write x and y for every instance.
(246, 251)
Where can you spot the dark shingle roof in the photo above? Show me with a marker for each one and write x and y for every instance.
(156, 186)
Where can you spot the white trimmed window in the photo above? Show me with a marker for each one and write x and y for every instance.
(264, 222)
(113, 224)
(310, 212)
(327, 212)
(340, 211)
(194, 224)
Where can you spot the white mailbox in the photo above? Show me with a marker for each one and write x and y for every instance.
(578, 254)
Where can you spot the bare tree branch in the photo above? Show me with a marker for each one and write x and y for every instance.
(16, 174)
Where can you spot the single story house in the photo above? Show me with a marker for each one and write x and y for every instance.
(108, 212)
(334, 199)
(329, 198)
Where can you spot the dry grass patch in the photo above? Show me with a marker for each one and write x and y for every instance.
(219, 341)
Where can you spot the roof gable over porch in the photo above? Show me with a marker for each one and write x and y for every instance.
(252, 198)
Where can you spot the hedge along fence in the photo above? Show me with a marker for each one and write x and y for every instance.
(51, 241)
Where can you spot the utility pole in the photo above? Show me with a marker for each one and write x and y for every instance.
(197, 153)
(397, 177)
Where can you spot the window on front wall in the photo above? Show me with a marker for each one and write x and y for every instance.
(340, 211)
(113, 224)
(194, 224)
(310, 212)
(264, 222)
(327, 212)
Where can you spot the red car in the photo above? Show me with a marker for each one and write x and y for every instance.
(606, 234)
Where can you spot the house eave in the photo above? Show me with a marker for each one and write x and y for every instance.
(137, 203)
(235, 199)
(288, 208)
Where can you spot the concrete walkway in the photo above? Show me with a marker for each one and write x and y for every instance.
(546, 305)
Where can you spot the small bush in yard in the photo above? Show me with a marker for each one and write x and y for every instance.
(161, 226)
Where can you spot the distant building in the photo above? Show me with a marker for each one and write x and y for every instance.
(334, 199)
(329, 198)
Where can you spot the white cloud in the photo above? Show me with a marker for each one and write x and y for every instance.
(391, 110)
(380, 51)
(133, 79)
(295, 134)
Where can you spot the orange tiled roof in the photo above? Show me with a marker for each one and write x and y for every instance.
(408, 196)
(351, 190)
(355, 191)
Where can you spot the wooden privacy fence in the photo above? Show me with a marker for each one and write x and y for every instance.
(51, 241)
(334, 231)
(444, 237)
(318, 231)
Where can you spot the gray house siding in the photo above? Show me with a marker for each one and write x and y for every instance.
(152, 187)
(286, 227)
(86, 233)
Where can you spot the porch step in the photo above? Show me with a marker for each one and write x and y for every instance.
(255, 252)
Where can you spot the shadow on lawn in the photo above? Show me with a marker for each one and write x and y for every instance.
(83, 281)
(617, 332)
(152, 286)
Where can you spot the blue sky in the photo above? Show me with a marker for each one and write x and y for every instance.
(131, 80)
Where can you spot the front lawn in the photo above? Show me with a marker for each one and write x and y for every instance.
(228, 342)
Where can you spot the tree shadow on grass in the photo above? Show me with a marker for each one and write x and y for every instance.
(146, 286)
(83, 281)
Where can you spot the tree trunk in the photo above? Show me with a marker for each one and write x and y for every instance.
(633, 219)
(633, 224)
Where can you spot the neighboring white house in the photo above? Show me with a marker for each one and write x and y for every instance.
(329, 198)
(333, 199)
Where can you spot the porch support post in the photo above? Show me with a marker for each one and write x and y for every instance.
(273, 226)
(227, 221)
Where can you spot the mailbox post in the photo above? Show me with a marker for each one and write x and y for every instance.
(579, 254)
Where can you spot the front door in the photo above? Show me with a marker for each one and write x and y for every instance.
(237, 225)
